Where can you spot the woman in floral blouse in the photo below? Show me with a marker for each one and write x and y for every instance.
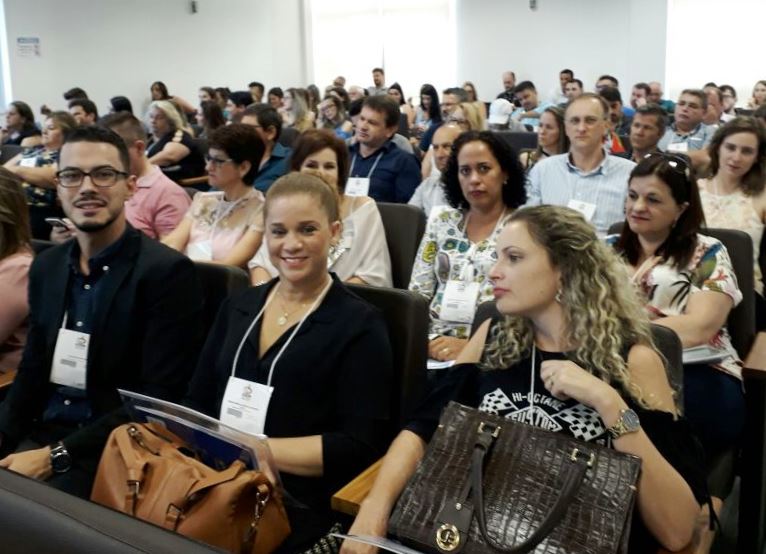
(483, 184)
(690, 286)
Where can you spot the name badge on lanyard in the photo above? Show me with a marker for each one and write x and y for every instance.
(360, 186)
(459, 301)
(70, 358)
(587, 209)
(679, 147)
(245, 405)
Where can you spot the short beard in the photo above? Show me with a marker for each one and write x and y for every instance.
(96, 227)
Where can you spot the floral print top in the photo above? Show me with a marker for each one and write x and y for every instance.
(668, 291)
(446, 253)
(40, 157)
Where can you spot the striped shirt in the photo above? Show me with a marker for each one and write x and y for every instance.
(558, 181)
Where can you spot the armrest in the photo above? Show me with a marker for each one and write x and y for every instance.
(348, 499)
(7, 378)
(191, 181)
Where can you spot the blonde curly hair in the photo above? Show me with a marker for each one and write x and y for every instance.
(603, 314)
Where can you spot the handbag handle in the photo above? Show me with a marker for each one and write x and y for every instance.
(574, 476)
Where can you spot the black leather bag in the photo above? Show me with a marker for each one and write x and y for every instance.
(488, 485)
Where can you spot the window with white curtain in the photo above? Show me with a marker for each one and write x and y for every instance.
(413, 40)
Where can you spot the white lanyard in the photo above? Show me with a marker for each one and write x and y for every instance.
(372, 169)
(532, 383)
(289, 340)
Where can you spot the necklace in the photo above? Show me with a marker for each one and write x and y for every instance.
(284, 318)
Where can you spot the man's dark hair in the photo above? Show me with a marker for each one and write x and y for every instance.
(88, 106)
(378, 70)
(578, 81)
(267, 117)
(276, 91)
(645, 87)
(710, 84)
(611, 94)
(130, 128)
(121, 104)
(98, 134)
(258, 85)
(657, 112)
(699, 93)
(514, 193)
(75, 93)
(241, 98)
(609, 78)
(729, 89)
(241, 143)
(568, 72)
(462, 95)
(355, 108)
(385, 105)
(718, 92)
(524, 85)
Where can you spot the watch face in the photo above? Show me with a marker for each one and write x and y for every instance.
(630, 419)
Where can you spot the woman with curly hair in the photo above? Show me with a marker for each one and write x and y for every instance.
(571, 351)
(483, 184)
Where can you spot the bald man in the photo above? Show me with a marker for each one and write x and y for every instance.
(430, 192)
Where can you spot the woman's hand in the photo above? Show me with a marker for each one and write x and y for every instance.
(32, 463)
(370, 522)
(565, 379)
(446, 348)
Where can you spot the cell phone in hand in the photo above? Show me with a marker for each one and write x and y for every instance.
(56, 222)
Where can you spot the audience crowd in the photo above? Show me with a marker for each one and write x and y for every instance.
(584, 216)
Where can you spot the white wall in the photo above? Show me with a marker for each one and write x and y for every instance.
(119, 47)
(592, 37)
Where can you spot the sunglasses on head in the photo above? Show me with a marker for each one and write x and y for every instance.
(676, 162)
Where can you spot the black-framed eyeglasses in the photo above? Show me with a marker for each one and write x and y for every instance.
(218, 162)
(103, 176)
(675, 161)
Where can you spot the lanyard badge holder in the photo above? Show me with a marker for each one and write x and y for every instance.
(245, 403)
(461, 295)
(70, 358)
(360, 186)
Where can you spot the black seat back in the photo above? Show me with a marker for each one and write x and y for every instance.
(404, 226)
(218, 282)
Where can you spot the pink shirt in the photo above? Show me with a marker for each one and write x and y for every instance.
(14, 278)
(158, 205)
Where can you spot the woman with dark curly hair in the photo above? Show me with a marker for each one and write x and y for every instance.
(483, 184)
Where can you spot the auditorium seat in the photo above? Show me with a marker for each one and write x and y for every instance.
(218, 283)
(404, 226)
(41, 245)
(406, 315)
(519, 140)
(9, 151)
(36, 518)
(288, 136)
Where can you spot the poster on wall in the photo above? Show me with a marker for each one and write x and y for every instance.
(28, 47)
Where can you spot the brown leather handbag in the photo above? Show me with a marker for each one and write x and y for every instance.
(144, 473)
(530, 490)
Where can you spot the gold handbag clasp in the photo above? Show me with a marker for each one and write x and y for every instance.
(447, 537)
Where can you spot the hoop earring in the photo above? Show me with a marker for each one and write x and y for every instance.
(559, 296)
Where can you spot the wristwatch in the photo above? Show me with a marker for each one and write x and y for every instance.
(61, 461)
(627, 423)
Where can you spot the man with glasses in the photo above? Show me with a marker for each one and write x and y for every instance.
(111, 309)
(586, 178)
(268, 123)
(688, 134)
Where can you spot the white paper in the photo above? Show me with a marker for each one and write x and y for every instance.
(703, 354)
(200, 251)
(436, 364)
(70, 359)
(380, 542)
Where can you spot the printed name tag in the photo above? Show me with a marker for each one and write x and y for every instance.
(357, 186)
(459, 301)
(585, 208)
(681, 147)
(245, 405)
(70, 359)
(28, 162)
(201, 251)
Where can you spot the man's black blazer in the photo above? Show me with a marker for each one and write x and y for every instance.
(146, 336)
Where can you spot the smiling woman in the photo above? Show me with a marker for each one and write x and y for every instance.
(292, 341)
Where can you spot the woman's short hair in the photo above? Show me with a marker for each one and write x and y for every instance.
(603, 315)
(434, 110)
(213, 115)
(15, 233)
(25, 112)
(514, 191)
(159, 85)
(169, 109)
(754, 181)
(315, 140)
(676, 171)
(242, 143)
(296, 183)
(64, 120)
